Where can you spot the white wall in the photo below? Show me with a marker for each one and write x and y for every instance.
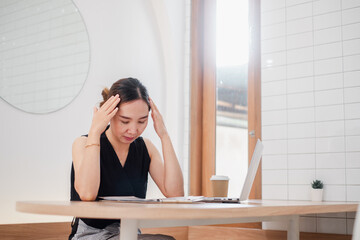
(125, 41)
(311, 104)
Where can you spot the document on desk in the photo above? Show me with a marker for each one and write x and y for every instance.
(132, 199)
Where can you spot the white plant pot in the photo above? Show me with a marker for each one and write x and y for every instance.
(316, 195)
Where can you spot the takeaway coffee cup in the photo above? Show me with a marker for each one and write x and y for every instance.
(219, 185)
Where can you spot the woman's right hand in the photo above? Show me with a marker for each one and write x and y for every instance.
(103, 115)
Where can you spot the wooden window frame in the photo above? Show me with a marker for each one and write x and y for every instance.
(203, 94)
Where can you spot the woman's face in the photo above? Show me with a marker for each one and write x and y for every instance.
(130, 121)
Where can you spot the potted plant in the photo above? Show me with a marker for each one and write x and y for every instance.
(317, 190)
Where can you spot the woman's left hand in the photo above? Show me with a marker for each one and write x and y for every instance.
(159, 124)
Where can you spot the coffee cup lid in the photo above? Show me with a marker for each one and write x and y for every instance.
(219, 177)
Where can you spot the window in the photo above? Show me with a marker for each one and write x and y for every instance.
(207, 96)
(232, 48)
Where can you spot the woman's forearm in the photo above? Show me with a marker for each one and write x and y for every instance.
(87, 171)
(173, 177)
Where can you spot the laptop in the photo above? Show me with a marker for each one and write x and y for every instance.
(250, 176)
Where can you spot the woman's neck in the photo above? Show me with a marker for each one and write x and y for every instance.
(115, 142)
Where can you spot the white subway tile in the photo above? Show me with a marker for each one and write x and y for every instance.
(296, 2)
(353, 193)
(351, 16)
(352, 79)
(352, 127)
(330, 81)
(275, 147)
(307, 224)
(352, 143)
(273, 31)
(350, 215)
(272, 5)
(331, 225)
(352, 95)
(330, 160)
(300, 70)
(326, 6)
(331, 176)
(273, 74)
(334, 192)
(299, 11)
(306, 145)
(273, 88)
(350, 4)
(274, 117)
(328, 66)
(351, 47)
(304, 177)
(301, 115)
(353, 159)
(274, 162)
(300, 85)
(274, 132)
(273, 45)
(327, 35)
(275, 192)
(299, 192)
(274, 177)
(301, 161)
(299, 40)
(299, 26)
(350, 226)
(327, 20)
(300, 55)
(281, 226)
(300, 100)
(273, 17)
(352, 110)
(330, 50)
(352, 63)
(328, 113)
(273, 59)
(329, 97)
(332, 215)
(352, 176)
(330, 144)
(273, 103)
(328, 129)
(351, 31)
(301, 130)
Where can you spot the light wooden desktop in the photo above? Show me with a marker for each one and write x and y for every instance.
(135, 215)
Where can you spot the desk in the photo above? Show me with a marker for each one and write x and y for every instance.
(135, 215)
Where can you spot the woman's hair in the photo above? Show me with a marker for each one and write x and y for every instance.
(129, 89)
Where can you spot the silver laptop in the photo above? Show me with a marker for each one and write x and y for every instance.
(250, 176)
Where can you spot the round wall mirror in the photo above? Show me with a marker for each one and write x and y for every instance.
(44, 54)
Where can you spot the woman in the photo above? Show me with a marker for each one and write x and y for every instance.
(114, 160)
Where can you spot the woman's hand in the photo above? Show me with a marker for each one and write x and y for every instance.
(102, 116)
(159, 125)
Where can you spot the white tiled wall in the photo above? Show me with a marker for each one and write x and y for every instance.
(311, 104)
(44, 54)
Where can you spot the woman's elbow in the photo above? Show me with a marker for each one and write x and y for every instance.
(85, 195)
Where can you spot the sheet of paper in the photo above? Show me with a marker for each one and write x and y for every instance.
(133, 199)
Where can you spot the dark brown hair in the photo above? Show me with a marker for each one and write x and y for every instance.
(129, 89)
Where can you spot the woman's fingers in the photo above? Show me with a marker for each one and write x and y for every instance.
(110, 102)
(115, 102)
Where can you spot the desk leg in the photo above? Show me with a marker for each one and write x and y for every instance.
(293, 232)
(128, 229)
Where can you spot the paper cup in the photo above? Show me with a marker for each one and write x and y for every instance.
(219, 185)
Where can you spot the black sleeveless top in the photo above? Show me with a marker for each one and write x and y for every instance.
(115, 179)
